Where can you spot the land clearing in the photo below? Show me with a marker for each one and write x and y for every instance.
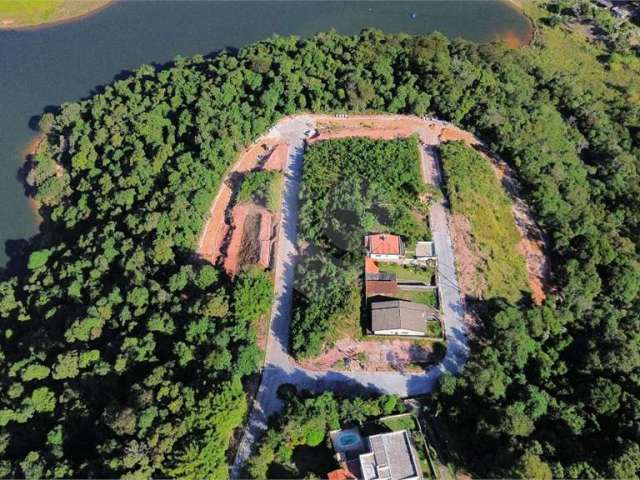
(218, 234)
(379, 355)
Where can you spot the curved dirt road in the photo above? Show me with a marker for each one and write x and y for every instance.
(280, 368)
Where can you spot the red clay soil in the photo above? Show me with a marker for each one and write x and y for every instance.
(216, 228)
(277, 158)
(249, 244)
(380, 355)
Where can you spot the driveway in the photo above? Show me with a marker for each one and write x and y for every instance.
(280, 368)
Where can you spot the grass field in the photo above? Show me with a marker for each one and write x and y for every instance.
(586, 61)
(31, 13)
(475, 192)
(426, 297)
(405, 272)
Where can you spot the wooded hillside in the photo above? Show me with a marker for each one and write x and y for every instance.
(121, 355)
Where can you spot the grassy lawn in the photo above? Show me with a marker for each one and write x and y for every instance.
(274, 196)
(406, 272)
(434, 329)
(475, 192)
(405, 422)
(426, 297)
(26, 13)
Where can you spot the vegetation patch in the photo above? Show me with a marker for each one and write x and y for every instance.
(416, 273)
(262, 187)
(475, 192)
(350, 187)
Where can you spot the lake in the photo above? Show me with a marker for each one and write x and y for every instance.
(48, 66)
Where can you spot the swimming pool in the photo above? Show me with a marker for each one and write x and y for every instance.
(346, 440)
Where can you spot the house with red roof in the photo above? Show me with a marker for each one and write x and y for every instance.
(384, 247)
(377, 282)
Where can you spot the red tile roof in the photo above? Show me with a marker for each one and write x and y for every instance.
(380, 287)
(370, 266)
(340, 474)
(383, 244)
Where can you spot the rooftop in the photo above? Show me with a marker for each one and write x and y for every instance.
(425, 249)
(391, 457)
(384, 244)
(400, 314)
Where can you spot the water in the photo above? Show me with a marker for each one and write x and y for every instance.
(45, 67)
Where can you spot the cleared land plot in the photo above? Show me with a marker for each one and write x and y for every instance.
(475, 193)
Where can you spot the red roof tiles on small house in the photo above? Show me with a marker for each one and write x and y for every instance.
(340, 474)
(383, 244)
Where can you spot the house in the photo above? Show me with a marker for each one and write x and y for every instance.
(400, 317)
(377, 282)
(384, 246)
(386, 456)
(425, 251)
(341, 474)
(391, 456)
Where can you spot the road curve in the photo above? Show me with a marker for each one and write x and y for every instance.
(280, 368)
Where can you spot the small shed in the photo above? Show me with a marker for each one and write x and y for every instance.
(425, 251)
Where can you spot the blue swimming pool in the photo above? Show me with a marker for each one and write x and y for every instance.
(348, 439)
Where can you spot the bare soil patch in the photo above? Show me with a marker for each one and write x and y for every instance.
(468, 258)
(373, 356)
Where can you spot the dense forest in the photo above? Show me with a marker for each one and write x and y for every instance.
(349, 189)
(121, 355)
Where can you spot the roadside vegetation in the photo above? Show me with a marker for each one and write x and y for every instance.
(121, 355)
(31, 13)
(475, 192)
(297, 442)
(350, 187)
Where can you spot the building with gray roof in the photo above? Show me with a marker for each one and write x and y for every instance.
(391, 456)
(400, 317)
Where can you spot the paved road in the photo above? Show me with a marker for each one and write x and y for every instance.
(280, 368)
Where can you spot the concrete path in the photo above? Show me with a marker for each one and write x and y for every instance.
(280, 368)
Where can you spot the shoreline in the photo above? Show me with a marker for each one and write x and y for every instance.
(55, 23)
(30, 149)
(519, 6)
